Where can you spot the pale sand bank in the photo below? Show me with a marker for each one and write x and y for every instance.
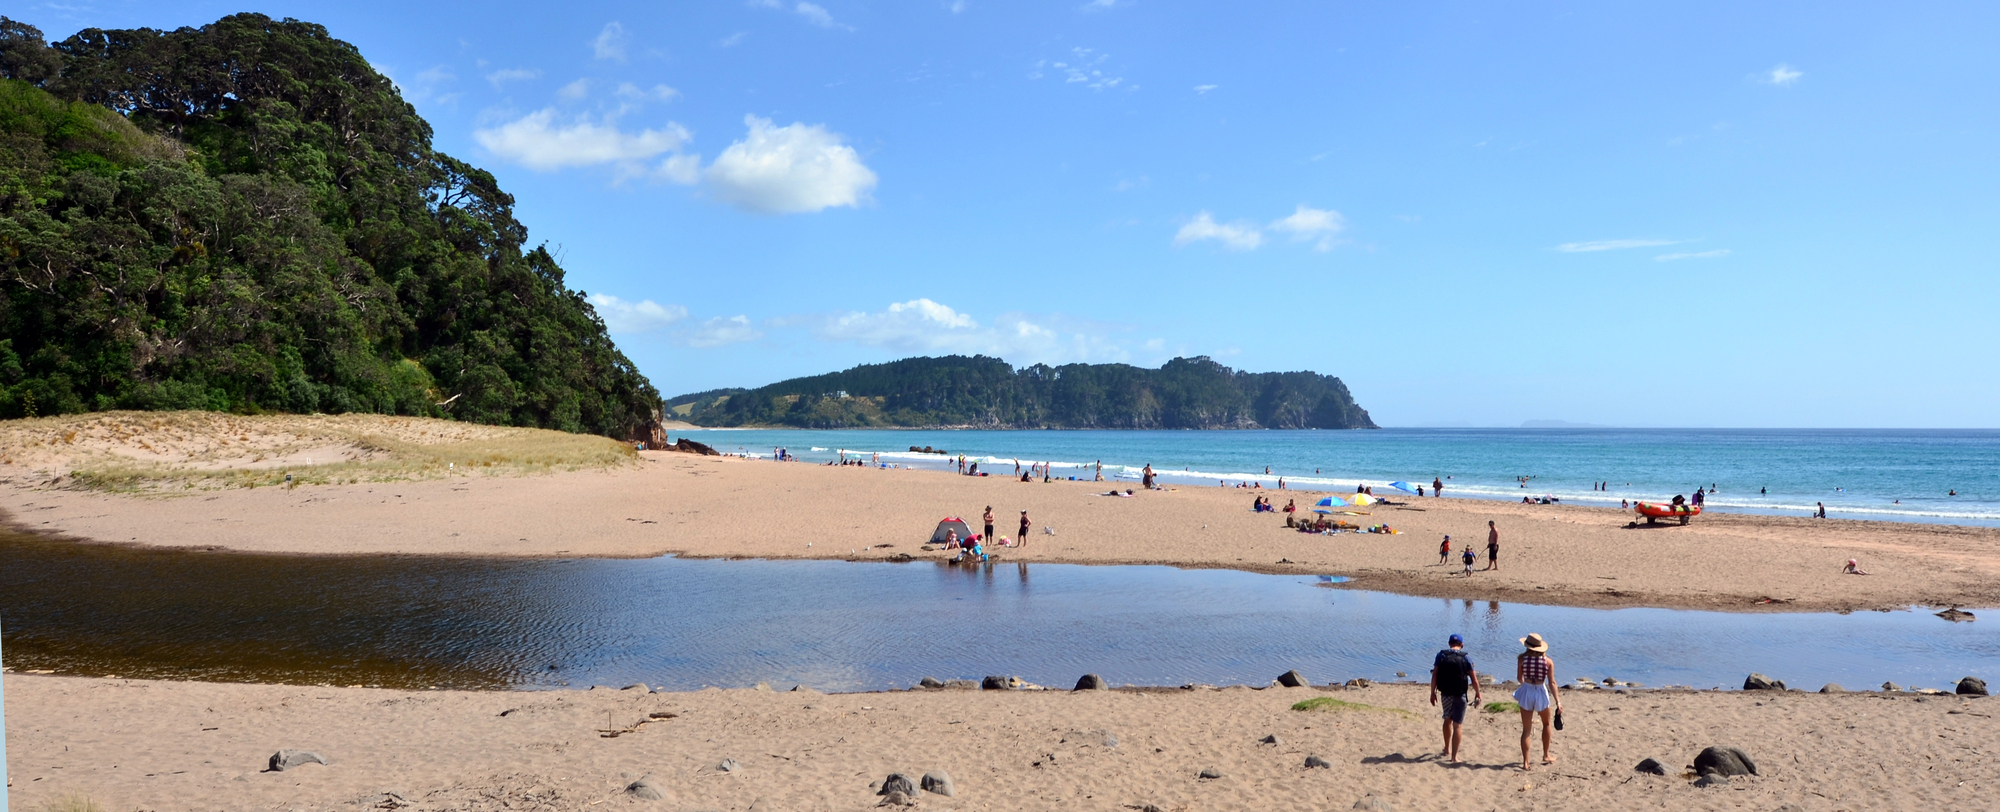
(202, 746)
(726, 507)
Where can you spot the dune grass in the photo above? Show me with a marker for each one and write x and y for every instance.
(1329, 704)
(1502, 707)
(69, 802)
(170, 451)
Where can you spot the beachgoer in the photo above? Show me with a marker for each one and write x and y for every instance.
(1281, 483)
(951, 539)
(1444, 552)
(1451, 672)
(1853, 568)
(1952, 492)
(1492, 546)
(1623, 505)
(1420, 490)
(1822, 510)
(1022, 540)
(1469, 557)
(1146, 477)
(1291, 506)
(1100, 471)
(988, 519)
(1537, 694)
(1437, 487)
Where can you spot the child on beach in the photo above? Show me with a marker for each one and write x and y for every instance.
(1444, 552)
(1469, 557)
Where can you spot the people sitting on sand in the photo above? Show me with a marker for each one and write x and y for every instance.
(1291, 506)
(1853, 568)
(1623, 505)
(951, 541)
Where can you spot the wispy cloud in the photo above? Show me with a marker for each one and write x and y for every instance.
(634, 94)
(1321, 226)
(721, 330)
(1237, 236)
(1202, 90)
(732, 40)
(1084, 66)
(1719, 252)
(813, 13)
(1128, 185)
(795, 168)
(622, 316)
(1610, 245)
(501, 77)
(1105, 5)
(923, 326)
(1784, 76)
(957, 6)
(610, 43)
(544, 141)
(574, 91)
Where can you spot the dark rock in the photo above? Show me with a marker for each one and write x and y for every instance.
(1374, 804)
(1724, 760)
(939, 781)
(729, 765)
(994, 683)
(286, 759)
(1091, 682)
(691, 447)
(1891, 687)
(1711, 780)
(1210, 774)
(898, 782)
(962, 684)
(1315, 762)
(1651, 766)
(1832, 688)
(1759, 682)
(930, 682)
(645, 789)
(1271, 739)
(1972, 686)
(1293, 679)
(1956, 615)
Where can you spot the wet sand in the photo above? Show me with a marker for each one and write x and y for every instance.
(133, 744)
(734, 508)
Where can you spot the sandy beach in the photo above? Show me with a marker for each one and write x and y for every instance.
(735, 508)
(201, 746)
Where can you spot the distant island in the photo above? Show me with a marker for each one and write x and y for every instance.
(989, 393)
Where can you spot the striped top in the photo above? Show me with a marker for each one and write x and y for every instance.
(1535, 669)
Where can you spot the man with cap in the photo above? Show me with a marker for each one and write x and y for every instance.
(1451, 672)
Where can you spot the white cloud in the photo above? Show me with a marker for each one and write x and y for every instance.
(681, 169)
(1103, 5)
(733, 40)
(719, 331)
(1129, 185)
(923, 326)
(1719, 252)
(1238, 236)
(1204, 89)
(621, 316)
(1784, 76)
(501, 77)
(1084, 66)
(539, 142)
(812, 12)
(1319, 225)
(957, 6)
(575, 90)
(1610, 245)
(610, 43)
(635, 93)
(795, 168)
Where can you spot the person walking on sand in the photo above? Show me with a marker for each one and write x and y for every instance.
(1451, 672)
(1537, 695)
(1444, 552)
(1022, 541)
(1437, 487)
(989, 524)
(1492, 546)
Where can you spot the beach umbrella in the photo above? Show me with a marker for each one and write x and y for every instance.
(1331, 501)
(1403, 486)
(1361, 499)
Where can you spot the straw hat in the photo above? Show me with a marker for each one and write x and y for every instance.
(1535, 643)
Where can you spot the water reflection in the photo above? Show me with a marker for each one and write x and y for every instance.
(474, 623)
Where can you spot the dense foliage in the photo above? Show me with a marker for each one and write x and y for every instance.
(1185, 393)
(247, 217)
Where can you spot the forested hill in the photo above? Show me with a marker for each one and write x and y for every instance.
(247, 217)
(981, 392)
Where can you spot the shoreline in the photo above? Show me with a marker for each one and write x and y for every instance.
(187, 745)
(723, 507)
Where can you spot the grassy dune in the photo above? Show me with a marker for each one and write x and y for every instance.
(170, 451)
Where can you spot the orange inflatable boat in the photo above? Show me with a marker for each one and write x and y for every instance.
(1654, 513)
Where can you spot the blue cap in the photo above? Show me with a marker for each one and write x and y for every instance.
(1457, 640)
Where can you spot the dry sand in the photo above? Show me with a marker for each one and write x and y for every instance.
(728, 507)
(136, 745)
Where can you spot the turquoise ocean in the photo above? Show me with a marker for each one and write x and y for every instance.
(1883, 474)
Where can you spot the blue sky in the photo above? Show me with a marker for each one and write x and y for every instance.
(1677, 214)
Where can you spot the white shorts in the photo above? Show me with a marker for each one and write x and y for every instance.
(1532, 698)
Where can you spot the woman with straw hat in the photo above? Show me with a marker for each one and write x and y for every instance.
(1537, 694)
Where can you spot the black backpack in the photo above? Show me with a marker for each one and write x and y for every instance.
(1452, 671)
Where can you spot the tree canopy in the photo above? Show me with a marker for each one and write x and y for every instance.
(977, 391)
(247, 217)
